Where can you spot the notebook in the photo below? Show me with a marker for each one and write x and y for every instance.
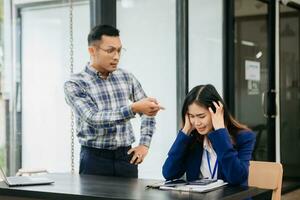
(24, 180)
(198, 187)
(202, 185)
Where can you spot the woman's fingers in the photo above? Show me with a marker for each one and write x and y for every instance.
(217, 117)
(210, 110)
(218, 106)
(187, 118)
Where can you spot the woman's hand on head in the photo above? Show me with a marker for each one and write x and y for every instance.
(188, 126)
(217, 117)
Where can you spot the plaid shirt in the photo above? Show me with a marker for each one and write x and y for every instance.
(102, 108)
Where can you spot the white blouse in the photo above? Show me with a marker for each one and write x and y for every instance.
(205, 172)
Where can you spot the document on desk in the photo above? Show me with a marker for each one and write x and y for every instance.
(197, 187)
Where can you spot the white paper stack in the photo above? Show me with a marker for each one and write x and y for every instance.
(195, 188)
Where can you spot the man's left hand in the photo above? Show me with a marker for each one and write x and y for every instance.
(139, 153)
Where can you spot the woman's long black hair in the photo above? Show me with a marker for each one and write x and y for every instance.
(205, 95)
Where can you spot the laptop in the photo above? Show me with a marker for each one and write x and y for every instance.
(24, 180)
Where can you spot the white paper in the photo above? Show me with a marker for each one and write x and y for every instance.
(252, 70)
(253, 88)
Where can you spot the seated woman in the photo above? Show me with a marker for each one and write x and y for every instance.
(211, 144)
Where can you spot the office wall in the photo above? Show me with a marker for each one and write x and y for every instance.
(148, 34)
(205, 43)
(45, 67)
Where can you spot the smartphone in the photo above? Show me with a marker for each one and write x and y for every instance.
(175, 182)
(202, 182)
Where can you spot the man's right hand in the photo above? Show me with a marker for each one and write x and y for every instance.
(148, 106)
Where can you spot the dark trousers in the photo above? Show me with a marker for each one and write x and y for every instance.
(107, 162)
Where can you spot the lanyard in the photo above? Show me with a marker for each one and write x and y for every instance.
(215, 167)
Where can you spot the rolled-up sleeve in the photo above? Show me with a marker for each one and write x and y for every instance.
(84, 106)
(147, 123)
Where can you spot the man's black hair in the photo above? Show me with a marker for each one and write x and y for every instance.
(99, 30)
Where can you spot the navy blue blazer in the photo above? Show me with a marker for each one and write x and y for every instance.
(233, 161)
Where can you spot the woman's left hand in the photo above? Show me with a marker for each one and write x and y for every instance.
(218, 116)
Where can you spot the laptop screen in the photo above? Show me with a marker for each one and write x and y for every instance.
(3, 175)
(25, 180)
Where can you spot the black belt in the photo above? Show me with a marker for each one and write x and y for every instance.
(107, 153)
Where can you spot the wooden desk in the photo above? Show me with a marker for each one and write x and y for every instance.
(87, 187)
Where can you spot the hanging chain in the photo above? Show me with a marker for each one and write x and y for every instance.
(71, 72)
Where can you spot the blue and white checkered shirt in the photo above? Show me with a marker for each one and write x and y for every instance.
(102, 108)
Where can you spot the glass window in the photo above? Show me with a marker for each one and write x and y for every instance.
(45, 68)
(2, 101)
(251, 50)
(150, 56)
(205, 43)
(38, 121)
(289, 82)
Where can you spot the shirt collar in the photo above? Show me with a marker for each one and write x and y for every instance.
(92, 71)
(207, 145)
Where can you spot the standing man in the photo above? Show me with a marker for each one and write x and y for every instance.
(100, 97)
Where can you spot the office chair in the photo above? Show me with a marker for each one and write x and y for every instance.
(259, 130)
(266, 175)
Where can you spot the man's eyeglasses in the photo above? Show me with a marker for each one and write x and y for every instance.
(112, 51)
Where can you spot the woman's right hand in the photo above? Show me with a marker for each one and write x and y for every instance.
(188, 126)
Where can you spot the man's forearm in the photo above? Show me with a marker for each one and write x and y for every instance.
(147, 130)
